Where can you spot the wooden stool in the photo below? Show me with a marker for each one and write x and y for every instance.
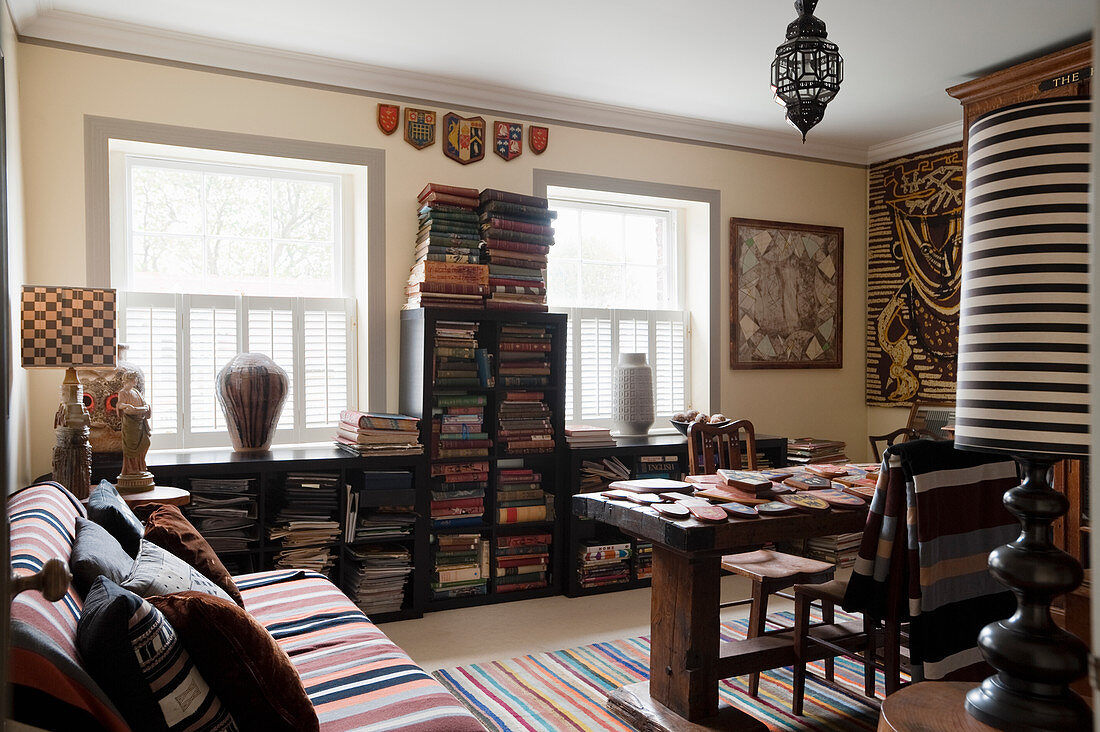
(930, 706)
(771, 572)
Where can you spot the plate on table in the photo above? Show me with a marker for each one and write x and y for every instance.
(805, 502)
(738, 510)
(672, 510)
(774, 508)
(840, 499)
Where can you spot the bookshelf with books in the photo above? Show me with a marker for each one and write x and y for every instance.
(488, 388)
(600, 558)
(301, 507)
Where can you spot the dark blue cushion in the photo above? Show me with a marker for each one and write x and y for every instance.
(106, 508)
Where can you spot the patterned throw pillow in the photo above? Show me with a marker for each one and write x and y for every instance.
(170, 530)
(157, 572)
(133, 653)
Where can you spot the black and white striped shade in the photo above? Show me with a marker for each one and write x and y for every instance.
(1023, 329)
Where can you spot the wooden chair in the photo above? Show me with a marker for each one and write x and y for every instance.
(908, 433)
(712, 447)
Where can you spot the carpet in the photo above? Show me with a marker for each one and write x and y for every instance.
(566, 690)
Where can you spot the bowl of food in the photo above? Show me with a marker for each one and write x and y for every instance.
(682, 420)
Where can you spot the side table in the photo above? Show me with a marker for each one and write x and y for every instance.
(164, 495)
(930, 706)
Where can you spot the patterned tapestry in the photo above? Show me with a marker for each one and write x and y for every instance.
(913, 267)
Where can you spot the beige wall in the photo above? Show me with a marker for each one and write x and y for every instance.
(59, 87)
(19, 443)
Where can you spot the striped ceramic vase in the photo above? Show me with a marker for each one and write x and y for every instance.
(251, 390)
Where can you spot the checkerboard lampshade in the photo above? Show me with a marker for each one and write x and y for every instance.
(1023, 331)
(67, 326)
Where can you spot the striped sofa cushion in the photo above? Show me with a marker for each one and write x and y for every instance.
(46, 669)
(355, 676)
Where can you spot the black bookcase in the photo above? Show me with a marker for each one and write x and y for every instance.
(629, 450)
(268, 472)
(417, 392)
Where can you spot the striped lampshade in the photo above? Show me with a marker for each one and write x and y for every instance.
(1023, 329)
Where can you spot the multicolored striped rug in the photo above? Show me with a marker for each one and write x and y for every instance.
(566, 690)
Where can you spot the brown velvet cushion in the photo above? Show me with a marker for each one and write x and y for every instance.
(241, 661)
(167, 528)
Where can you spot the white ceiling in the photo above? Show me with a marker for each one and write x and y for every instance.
(697, 68)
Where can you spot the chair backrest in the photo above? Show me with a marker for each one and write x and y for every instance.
(720, 446)
(879, 443)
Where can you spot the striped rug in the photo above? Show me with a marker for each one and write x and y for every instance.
(566, 690)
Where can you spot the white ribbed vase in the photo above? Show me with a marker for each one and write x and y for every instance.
(633, 409)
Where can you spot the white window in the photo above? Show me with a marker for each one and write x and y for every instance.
(215, 254)
(616, 269)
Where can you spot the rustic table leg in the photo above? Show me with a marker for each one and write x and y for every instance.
(685, 627)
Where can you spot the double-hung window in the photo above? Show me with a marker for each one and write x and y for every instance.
(617, 270)
(216, 254)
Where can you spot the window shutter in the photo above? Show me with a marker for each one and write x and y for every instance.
(271, 332)
(325, 363)
(634, 336)
(670, 382)
(151, 332)
(569, 353)
(596, 366)
(212, 334)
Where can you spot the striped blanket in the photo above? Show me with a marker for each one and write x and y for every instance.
(949, 503)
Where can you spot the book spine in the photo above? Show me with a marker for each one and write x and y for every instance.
(460, 258)
(489, 232)
(460, 400)
(522, 586)
(377, 422)
(521, 514)
(452, 199)
(474, 274)
(507, 244)
(494, 194)
(443, 226)
(521, 569)
(499, 223)
(523, 540)
(448, 189)
(507, 209)
(517, 346)
(458, 575)
(443, 213)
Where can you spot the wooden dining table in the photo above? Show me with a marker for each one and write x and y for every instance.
(687, 659)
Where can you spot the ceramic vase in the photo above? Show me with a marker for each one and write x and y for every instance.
(101, 388)
(251, 390)
(633, 388)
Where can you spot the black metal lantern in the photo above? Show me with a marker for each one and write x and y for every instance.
(807, 69)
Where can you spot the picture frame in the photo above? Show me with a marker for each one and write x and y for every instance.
(786, 295)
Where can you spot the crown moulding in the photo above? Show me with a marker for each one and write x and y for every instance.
(44, 24)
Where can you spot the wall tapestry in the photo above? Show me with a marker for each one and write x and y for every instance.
(913, 267)
(785, 295)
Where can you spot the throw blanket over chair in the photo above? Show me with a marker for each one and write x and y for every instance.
(954, 517)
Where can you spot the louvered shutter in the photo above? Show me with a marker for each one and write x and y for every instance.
(213, 338)
(151, 329)
(270, 330)
(325, 361)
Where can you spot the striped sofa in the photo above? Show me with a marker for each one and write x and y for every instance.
(355, 676)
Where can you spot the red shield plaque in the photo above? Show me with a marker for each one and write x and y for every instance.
(419, 127)
(508, 139)
(538, 138)
(388, 117)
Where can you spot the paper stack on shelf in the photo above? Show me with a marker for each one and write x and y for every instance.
(384, 523)
(375, 433)
(461, 566)
(375, 577)
(522, 562)
(840, 549)
(447, 271)
(600, 564)
(517, 234)
(458, 493)
(643, 560)
(520, 497)
(306, 523)
(802, 450)
(581, 435)
(596, 475)
(224, 512)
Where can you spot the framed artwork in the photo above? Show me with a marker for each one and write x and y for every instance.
(785, 295)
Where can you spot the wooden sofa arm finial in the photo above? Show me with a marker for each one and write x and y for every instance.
(52, 581)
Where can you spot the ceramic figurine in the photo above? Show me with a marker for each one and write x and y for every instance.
(134, 412)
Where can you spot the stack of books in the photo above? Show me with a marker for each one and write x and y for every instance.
(522, 562)
(516, 234)
(383, 523)
(524, 427)
(840, 549)
(581, 435)
(456, 359)
(458, 426)
(458, 493)
(524, 355)
(224, 512)
(596, 475)
(375, 433)
(643, 560)
(520, 497)
(802, 450)
(375, 577)
(461, 566)
(447, 271)
(600, 564)
(306, 524)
